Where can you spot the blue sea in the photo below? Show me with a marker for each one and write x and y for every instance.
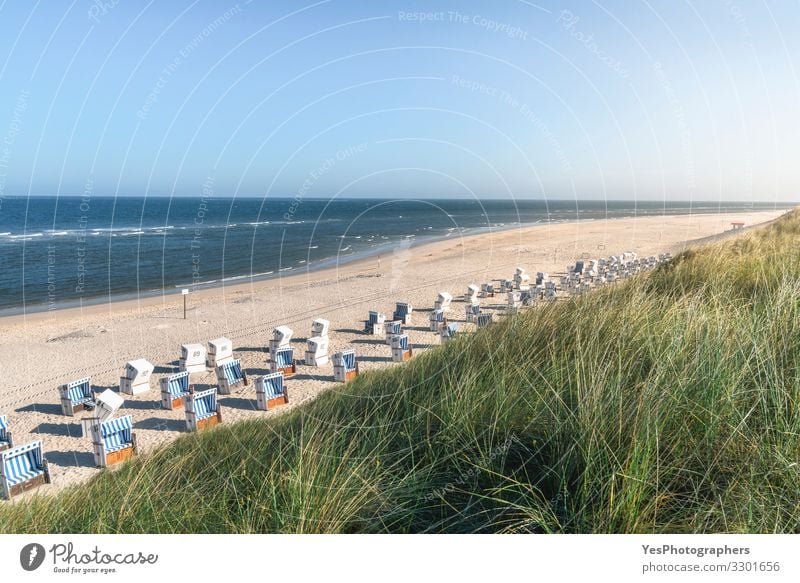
(67, 251)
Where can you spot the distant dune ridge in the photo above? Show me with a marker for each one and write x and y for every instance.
(666, 403)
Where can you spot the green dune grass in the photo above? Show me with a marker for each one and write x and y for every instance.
(668, 403)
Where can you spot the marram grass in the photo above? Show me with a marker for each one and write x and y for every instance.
(668, 403)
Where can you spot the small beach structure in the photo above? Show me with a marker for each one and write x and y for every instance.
(317, 351)
(401, 348)
(193, 358)
(202, 409)
(320, 327)
(483, 320)
(76, 396)
(514, 299)
(521, 278)
(281, 337)
(135, 378)
(437, 320)
(220, 351)
(230, 375)
(23, 468)
(736, 225)
(174, 388)
(271, 391)
(113, 441)
(282, 360)
(108, 402)
(471, 297)
(6, 439)
(402, 312)
(472, 311)
(374, 323)
(345, 367)
(443, 301)
(448, 332)
(487, 290)
(391, 329)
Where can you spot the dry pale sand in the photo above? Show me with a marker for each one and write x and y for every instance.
(41, 351)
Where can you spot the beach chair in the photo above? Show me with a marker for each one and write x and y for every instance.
(374, 324)
(437, 320)
(514, 299)
(471, 297)
(282, 360)
(193, 358)
(345, 367)
(173, 389)
(472, 311)
(77, 396)
(23, 468)
(319, 327)
(202, 410)
(487, 290)
(113, 441)
(579, 266)
(443, 301)
(483, 320)
(6, 439)
(317, 351)
(521, 278)
(270, 391)
(229, 375)
(136, 377)
(393, 328)
(402, 312)
(107, 403)
(220, 351)
(281, 336)
(401, 348)
(448, 332)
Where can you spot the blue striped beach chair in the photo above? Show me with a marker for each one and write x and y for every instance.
(77, 396)
(230, 375)
(23, 468)
(392, 328)
(402, 312)
(374, 323)
(113, 441)
(448, 332)
(270, 391)
(437, 319)
(472, 311)
(282, 360)
(6, 439)
(202, 409)
(484, 320)
(173, 389)
(345, 366)
(401, 348)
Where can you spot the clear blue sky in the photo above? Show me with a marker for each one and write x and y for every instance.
(650, 100)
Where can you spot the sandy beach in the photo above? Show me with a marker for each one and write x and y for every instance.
(40, 351)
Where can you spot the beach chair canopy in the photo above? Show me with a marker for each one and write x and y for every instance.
(178, 384)
(3, 429)
(437, 315)
(403, 341)
(349, 359)
(272, 385)
(282, 334)
(117, 433)
(373, 317)
(284, 357)
(23, 463)
(232, 371)
(205, 403)
(80, 391)
(451, 329)
(401, 309)
(320, 327)
(394, 327)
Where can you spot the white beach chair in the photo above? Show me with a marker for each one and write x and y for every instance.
(391, 329)
(402, 312)
(401, 348)
(23, 468)
(77, 396)
(282, 360)
(174, 388)
(193, 358)
(317, 351)
(113, 441)
(514, 299)
(345, 367)
(471, 297)
(319, 327)
(443, 301)
(220, 351)
(281, 337)
(270, 391)
(230, 375)
(202, 409)
(6, 439)
(136, 377)
(374, 324)
(521, 278)
(487, 290)
(437, 320)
